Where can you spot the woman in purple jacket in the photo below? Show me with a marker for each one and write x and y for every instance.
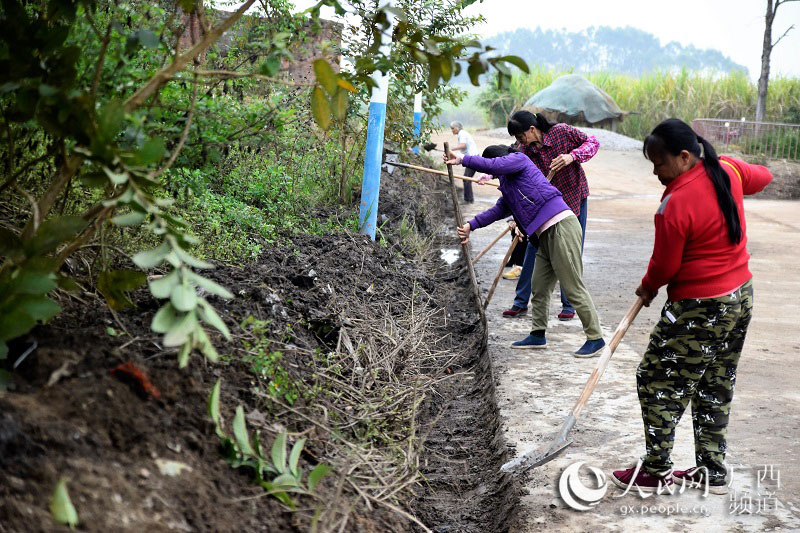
(539, 209)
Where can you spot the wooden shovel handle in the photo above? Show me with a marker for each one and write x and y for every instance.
(508, 228)
(439, 172)
(500, 272)
(608, 351)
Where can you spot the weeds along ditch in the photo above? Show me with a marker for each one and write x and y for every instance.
(366, 357)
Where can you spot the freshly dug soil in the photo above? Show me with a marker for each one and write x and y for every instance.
(67, 415)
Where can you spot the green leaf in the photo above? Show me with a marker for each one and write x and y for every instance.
(346, 85)
(320, 108)
(61, 508)
(316, 475)
(270, 66)
(151, 258)
(9, 243)
(211, 286)
(284, 480)
(13, 325)
(151, 152)
(339, 104)
(162, 287)
(110, 118)
(114, 284)
(204, 344)
(213, 405)
(39, 308)
(3, 350)
(191, 260)
(278, 452)
(30, 282)
(117, 178)
(325, 75)
(183, 354)
(209, 315)
(54, 232)
(183, 297)
(165, 319)
(240, 432)
(134, 218)
(179, 333)
(516, 61)
(6, 379)
(294, 457)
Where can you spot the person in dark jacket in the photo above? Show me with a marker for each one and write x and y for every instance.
(539, 210)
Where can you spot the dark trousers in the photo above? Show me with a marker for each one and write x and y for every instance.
(468, 196)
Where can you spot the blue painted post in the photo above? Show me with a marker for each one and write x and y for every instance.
(371, 183)
(417, 120)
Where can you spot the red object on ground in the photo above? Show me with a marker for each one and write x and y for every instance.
(129, 373)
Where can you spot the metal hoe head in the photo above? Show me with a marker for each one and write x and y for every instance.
(545, 453)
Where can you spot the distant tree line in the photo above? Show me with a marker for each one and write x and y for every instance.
(620, 50)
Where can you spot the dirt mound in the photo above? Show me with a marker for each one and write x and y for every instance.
(376, 340)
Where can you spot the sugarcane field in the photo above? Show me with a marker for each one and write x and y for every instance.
(472, 266)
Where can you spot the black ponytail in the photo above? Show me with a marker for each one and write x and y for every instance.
(673, 136)
(521, 121)
(497, 150)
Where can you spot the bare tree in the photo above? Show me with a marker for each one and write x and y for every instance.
(763, 79)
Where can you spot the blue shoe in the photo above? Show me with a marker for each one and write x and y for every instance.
(590, 348)
(531, 342)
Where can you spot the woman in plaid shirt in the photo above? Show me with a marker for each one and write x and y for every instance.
(562, 148)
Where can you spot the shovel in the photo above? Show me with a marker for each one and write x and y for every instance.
(549, 451)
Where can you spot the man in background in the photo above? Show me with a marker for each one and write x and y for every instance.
(465, 146)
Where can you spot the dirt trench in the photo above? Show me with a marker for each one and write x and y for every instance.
(68, 416)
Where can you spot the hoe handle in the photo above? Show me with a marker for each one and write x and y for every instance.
(439, 172)
(508, 228)
(608, 351)
(500, 272)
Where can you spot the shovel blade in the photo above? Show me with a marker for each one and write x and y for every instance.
(554, 446)
(536, 457)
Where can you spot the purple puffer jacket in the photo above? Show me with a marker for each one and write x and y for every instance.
(526, 192)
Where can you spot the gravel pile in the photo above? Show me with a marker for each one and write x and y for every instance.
(608, 139)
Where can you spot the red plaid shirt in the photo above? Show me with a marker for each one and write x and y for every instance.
(564, 139)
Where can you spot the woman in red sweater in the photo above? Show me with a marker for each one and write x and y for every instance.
(700, 254)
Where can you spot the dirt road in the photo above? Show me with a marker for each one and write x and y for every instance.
(537, 389)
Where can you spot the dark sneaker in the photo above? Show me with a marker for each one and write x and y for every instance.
(590, 349)
(566, 314)
(643, 481)
(515, 311)
(695, 478)
(531, 342)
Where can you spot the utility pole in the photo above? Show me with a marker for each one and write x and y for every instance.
(373, 154)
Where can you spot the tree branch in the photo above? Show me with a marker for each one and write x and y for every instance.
(98, 69)
(228, 74)
(10, 181)
(181, 60)
(184, 135)
(790, 28)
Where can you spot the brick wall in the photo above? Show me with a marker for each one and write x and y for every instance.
(305, 49)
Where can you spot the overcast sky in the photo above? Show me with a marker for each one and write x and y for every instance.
(734, 27)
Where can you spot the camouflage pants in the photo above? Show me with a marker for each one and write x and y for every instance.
(692, 355)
